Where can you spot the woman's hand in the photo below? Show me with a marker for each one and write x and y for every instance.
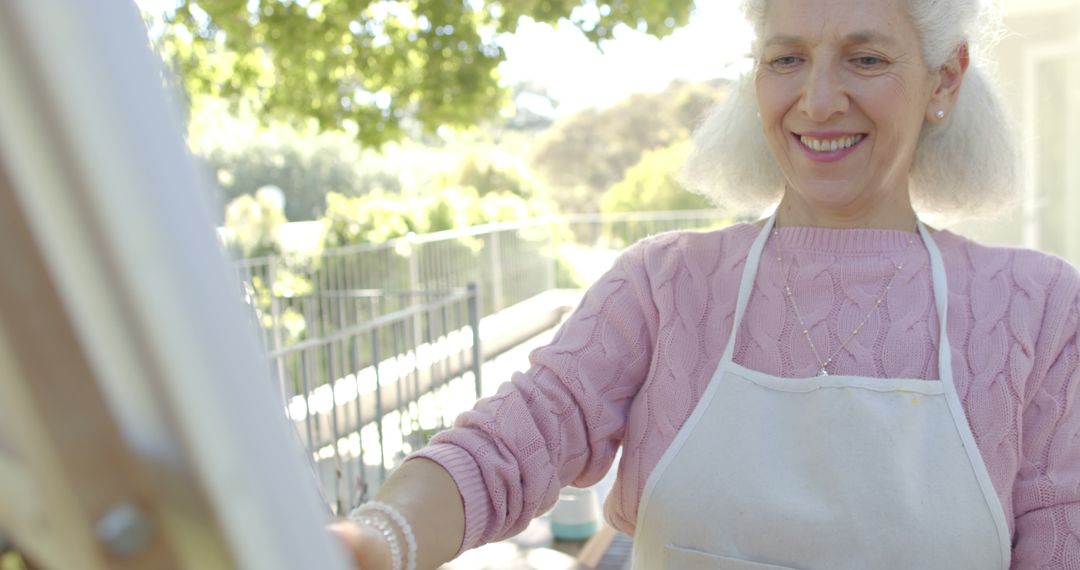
(427, 498)
(367, 547)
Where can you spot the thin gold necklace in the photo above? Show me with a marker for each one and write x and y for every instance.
(824, 364)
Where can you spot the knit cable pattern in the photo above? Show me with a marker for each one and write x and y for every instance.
(633, 360)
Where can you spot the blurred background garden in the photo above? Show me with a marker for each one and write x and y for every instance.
(341, 124)
(338, 122)
(377, 119)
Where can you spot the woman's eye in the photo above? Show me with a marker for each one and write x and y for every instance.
(784, 62)
(869, 61)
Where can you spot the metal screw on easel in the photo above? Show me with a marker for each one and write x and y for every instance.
(124, 530)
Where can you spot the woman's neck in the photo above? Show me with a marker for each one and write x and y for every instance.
(889, 215)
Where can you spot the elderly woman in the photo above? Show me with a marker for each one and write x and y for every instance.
(838, 386)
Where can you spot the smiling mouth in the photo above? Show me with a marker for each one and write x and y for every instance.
(829, 144)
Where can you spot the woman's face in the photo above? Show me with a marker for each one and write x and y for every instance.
(843, 92)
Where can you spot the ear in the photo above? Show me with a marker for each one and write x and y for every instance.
(949, 78)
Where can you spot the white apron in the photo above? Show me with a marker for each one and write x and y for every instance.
(824, 473)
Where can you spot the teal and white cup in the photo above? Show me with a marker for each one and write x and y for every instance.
(576, 515)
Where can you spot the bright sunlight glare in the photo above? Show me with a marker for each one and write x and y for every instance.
(578, 75)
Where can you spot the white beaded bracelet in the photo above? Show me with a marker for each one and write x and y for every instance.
(386, 530)
(402, 523)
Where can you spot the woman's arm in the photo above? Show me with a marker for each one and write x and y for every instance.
(1046, 495)
(558, 423)
(428, 498)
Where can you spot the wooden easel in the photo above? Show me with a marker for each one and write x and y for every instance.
(138, 424)
(64, 467)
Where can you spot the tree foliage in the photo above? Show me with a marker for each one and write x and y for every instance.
(379, 217)
(304, 167)
(652, 185)
(379, 64)
(308, 166)
(490, 170)
(251, 224)
(584, 155)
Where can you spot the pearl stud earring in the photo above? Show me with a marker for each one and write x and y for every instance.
(940, 114)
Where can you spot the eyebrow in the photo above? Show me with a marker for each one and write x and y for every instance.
(861, 37)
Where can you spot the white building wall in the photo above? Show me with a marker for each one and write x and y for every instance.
(1039, 70)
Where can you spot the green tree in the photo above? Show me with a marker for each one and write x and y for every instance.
(374, 218)
(490, 170)
(375, 65)
(652, 184)
(251, 224)
(304, 166)
(585, 154)
(380, 217)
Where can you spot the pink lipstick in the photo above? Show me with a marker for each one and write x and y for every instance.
(828, 146)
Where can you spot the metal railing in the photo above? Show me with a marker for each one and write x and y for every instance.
(510, 262)
(377, 347)
(365, 395)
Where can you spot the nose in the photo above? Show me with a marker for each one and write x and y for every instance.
(823, 96)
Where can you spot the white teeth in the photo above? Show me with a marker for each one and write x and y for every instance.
(830, 145)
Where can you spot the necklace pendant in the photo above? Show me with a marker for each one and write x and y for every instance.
(822, 372)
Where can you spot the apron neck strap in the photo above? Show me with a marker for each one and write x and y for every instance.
(937, 273)
(941, 302)
(746, 285)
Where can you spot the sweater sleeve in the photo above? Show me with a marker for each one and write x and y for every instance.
(1046, 494)
(562, 420)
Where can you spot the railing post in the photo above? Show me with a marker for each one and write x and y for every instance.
(275, 319)
(416, 290)
(414, 262)
(305, 386)
(275, 308)
(375, 363)
(333, 376)
(474, 324)
(496, 272)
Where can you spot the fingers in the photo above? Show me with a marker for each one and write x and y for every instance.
(367, 547)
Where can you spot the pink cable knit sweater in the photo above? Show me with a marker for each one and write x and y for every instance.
(630, 364)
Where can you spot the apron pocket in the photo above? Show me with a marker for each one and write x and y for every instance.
(688, 559)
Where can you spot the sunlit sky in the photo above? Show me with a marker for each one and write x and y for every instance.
(578, 75)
